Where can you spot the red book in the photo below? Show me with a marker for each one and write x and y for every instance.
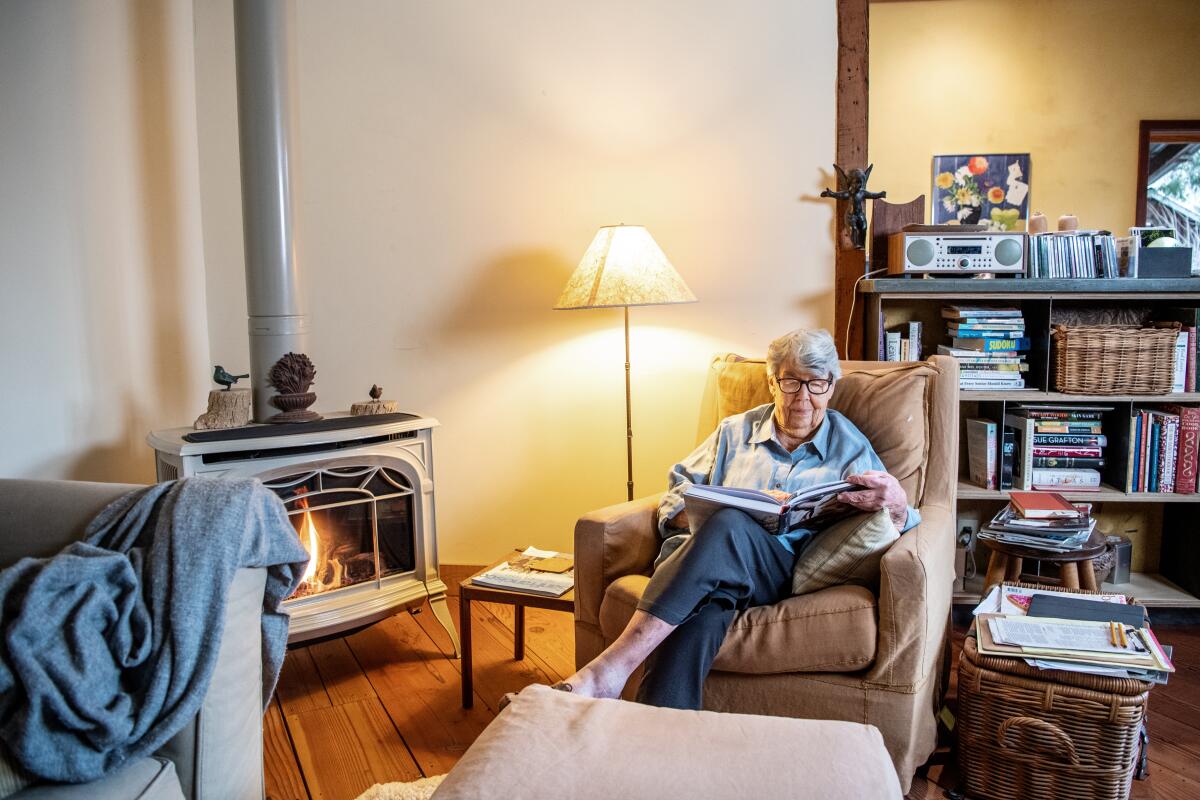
(1042, 505)
(1067, 451)
(1189, 447)
(1189, 381)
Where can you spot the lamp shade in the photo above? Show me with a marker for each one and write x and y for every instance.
(624, 266)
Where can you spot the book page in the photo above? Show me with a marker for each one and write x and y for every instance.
(1025, 632)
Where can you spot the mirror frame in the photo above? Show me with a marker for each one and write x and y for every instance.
(1146, 129)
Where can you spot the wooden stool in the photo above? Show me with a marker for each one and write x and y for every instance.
(1074, 568)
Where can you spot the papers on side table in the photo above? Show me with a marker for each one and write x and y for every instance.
(515, 575)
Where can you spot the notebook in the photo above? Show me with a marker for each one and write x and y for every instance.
(1047, 605)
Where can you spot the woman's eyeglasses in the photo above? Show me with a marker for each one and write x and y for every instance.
(815, 385)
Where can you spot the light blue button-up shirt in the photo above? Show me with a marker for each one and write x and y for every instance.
(744, 452)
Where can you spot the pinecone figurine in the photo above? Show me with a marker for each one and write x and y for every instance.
(292, 376)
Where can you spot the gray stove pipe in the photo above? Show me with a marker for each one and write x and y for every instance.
(278, 322)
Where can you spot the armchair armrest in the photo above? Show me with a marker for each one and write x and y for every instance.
(915, 593)
(610, 543)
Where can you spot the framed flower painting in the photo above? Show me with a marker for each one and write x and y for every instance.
(991, 190)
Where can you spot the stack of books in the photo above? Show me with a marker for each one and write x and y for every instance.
(1058, 447)
(1098, 634)
(898, 347)
(1042, 521)
(988, 344)
(532, 571)
(1073, 254)
(1163, 450)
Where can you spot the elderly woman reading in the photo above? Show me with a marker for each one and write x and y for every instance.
(732, 563)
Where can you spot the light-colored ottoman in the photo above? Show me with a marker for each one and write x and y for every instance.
(553, 745)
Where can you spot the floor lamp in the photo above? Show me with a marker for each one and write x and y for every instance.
(624, 267)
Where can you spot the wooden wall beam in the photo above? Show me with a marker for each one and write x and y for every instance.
(850, 263)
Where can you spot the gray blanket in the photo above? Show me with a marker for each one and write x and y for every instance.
(108, 647)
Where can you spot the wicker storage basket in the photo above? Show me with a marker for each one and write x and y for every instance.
(1114, 359)
(1030, 734)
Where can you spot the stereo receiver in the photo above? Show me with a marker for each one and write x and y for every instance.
(946, 253)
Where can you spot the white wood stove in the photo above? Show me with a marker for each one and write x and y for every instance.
(361, 500)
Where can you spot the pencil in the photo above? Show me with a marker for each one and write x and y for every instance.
(1124, 640)
(1112, 634)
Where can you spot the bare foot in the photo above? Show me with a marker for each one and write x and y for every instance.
(598, 680)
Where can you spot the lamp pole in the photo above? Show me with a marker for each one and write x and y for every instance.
(628, 416)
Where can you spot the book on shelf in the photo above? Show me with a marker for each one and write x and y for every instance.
(983, 312)
(898, 347)
(1188, 447)
(1080, 439)
(982, 451)
(1189, 319)
(1068, 451)
(1060, 462)
(1080, 480)
(892, 349)
(1179, 370)
(1058, 431)
(521, 573)
(1162, 454)
(813, 507)
(990, 345)
(991, 383)
(914, 340)
(1008, 450)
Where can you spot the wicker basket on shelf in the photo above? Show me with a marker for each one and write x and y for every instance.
(1114, 359)
(1031, 734)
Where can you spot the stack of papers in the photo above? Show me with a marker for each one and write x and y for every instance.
(518, 575)
(1068, 643)
(1073, 645)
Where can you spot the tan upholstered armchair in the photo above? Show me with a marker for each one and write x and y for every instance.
(842, 652)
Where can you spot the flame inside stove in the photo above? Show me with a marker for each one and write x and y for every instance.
(309, 530)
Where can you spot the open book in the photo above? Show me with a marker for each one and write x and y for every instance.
(814, 507)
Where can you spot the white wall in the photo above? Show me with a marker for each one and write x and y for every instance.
(455, 159)
(102, 316)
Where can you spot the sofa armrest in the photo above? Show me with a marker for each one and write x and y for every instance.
(916, 589)
(610, 543)
(39, 518)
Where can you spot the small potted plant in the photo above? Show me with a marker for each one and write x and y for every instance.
(292, 376)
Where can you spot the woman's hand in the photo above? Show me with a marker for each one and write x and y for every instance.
(880, 490)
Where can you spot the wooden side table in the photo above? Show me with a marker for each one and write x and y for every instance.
(469, 590)
(1075, 568)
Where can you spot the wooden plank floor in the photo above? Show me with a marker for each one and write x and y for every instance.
(384, 705)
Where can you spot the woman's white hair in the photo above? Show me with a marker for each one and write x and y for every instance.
(812, 351)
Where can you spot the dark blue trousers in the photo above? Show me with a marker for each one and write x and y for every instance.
(729, 565)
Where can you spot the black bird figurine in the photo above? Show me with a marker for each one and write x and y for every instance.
(376, 391)
(224, 378)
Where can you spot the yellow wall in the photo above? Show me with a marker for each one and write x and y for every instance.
(454, 162)
(1064, 80)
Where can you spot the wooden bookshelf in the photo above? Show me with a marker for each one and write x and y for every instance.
(1147, 588)
(891, 302)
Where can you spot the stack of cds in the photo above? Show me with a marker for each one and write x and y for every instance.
(989, 345)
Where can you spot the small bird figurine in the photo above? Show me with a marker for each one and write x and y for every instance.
(224, 378)
(376, 391)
